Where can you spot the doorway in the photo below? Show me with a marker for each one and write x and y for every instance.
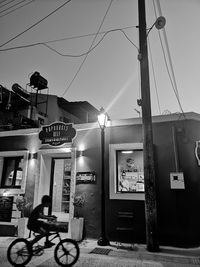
(61, 188)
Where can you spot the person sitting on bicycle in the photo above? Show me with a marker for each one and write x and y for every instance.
(35, 221)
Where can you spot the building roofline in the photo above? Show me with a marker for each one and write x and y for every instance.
(138, 121)
(114, 123)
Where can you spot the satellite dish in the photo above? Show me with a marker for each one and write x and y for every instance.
(160, 22)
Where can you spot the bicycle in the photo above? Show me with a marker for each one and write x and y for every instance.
(21, 250)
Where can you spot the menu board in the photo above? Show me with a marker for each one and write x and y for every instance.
(6, 208)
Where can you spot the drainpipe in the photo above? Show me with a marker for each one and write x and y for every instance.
(175, 149)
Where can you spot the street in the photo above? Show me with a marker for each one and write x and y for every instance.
(116, 257)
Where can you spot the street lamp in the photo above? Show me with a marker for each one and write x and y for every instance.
(102, 119)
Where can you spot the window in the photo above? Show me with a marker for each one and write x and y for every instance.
(130, 177)
(12, 172)
(126, 177)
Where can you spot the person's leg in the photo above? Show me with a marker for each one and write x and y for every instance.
(47, 243)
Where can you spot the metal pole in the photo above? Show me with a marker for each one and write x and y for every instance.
(149, 171)
(102, 241)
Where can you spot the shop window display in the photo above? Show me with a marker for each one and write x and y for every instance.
(126, 171)
(130, 176)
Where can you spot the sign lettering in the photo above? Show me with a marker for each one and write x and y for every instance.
(57, 133)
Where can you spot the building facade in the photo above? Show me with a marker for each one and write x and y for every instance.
(37, 109)
(32, 166)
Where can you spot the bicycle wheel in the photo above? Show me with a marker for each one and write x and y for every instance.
(19, 252)
(66, 252)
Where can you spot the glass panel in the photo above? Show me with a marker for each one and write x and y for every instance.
(9, 172)
(130, 176)
(12, 172)
(61, 189)
(19, 171)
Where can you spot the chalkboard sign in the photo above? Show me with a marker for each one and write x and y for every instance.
(6, 208)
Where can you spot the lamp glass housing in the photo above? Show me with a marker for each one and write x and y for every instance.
(102, 118)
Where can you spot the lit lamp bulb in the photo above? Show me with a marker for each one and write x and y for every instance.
(102, 118)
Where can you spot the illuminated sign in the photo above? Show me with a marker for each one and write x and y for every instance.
(57, 133)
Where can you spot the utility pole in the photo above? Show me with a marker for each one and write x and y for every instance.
(149, 171)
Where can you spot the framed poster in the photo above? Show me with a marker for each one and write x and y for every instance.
(130, 176)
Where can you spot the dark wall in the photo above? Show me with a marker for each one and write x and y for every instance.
(91, 161)
(134, 227)
(178, 216)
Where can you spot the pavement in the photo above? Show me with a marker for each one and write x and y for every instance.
(114, 255)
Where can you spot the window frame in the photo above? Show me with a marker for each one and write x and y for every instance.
(16, 189)
(4, 171)
(113, 148)
(132, 171)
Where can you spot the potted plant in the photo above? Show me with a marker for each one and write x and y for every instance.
(23, 206)
(78, 221)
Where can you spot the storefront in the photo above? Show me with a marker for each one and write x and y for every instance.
(33, 163)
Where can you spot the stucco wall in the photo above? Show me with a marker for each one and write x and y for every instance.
(178, 210)
(178, 216)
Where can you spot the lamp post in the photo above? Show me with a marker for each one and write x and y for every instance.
(102, 119)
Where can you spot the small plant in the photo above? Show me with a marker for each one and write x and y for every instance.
(23, 205)
(79, 202)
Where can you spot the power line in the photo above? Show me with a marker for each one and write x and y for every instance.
(91, 49)
(3, 1)
(9, 12)
(173, 82)
(70, 38)
(154, 77)
(79, 68)
(54, 11)
(6, 3)
(168, 51)
(175, 92)
(16, 8)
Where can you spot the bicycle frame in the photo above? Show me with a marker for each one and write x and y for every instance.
(38, 237)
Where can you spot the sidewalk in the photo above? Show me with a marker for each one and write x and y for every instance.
(119, 255)
(168, 254)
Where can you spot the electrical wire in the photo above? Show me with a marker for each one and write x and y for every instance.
(3, 1)
(168, 50)
(38, 22)
(11, 11)
(6, 3)
(154, 77)
(81, 65)
(91, 49)
(16, 9)
(173, 82)
(69, 38)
